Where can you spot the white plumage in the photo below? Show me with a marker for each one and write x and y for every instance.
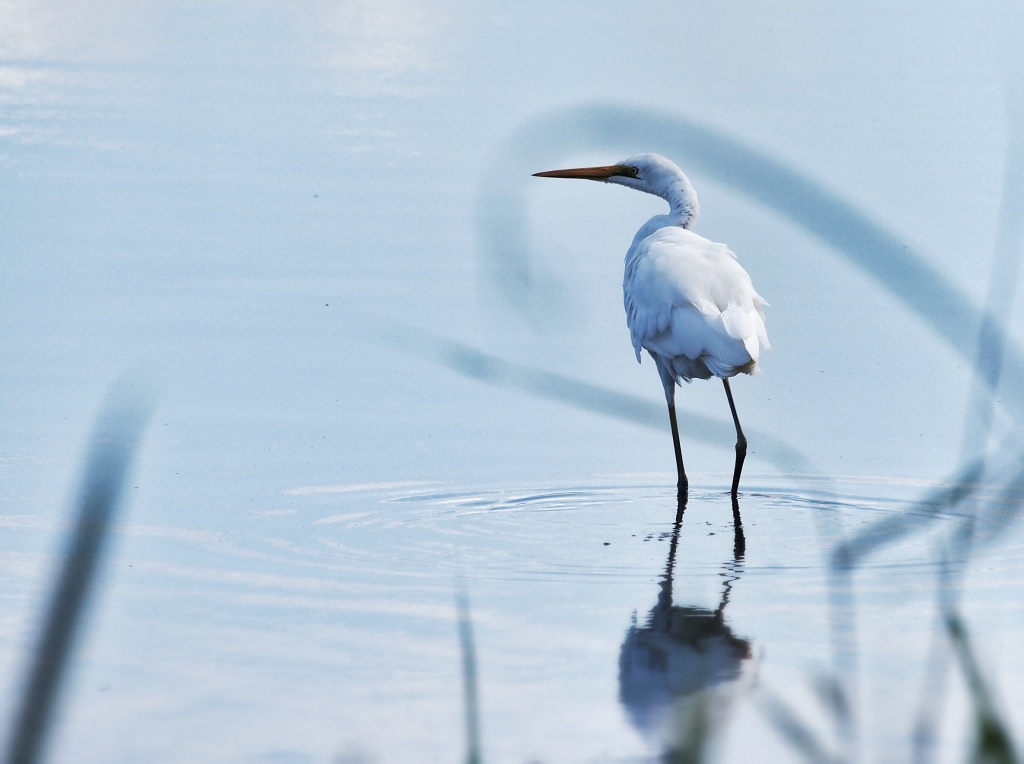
(688, 301)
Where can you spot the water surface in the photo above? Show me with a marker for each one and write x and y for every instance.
(392, 367)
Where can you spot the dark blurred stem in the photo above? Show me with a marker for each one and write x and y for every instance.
(993, 744)
(115, 439)
(844, 645)
(933, 691)
(470, 695)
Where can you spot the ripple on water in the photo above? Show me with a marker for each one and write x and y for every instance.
(346, 596)
(577, 529)
(558, 573)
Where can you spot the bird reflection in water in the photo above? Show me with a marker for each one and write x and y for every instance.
(681, 671)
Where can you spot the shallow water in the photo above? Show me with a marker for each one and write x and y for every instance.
(390, 366)
(326, 627)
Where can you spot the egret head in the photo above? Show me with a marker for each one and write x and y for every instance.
(650, 173)
(644, 172)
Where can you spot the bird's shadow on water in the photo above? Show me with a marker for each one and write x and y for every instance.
(682, 670)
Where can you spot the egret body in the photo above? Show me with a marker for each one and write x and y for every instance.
(688, 302)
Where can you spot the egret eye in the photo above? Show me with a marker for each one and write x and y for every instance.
(634, 172)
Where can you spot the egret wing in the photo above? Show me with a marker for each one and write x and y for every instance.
(687, 298)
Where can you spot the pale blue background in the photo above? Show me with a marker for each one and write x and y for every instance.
(271, 211)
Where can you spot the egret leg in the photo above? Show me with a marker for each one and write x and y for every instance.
(669, 382)
(741, 440)
(683, 484)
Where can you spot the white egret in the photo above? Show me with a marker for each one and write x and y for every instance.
(688, 302)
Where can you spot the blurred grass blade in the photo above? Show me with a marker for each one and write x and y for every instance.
(993, 744)
(802, 739)
(469, 686)
(933, 695)
(992, 349)
(114, 442)
(694, 730)
(1002, 286)
(587, 396)
(935, 504)
(899, 269)
(832, 696)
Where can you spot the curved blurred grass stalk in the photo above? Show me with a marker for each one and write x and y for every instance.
(993, 743)
(115, 440)
(470, 690)
(903, 272)
(898, 269)
(581, 394)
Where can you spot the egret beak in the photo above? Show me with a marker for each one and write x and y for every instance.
(587, 173)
